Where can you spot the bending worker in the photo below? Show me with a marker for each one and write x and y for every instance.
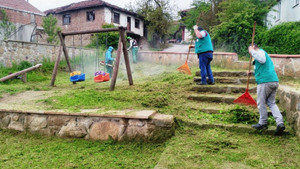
(204, 50)
(267, 84)
(134, 48)
(109, 60)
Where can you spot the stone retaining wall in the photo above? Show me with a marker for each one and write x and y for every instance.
(148, 126)
(285, 65)
(17, 51)
(289, 99)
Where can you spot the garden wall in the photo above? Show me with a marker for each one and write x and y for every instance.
(285, 65)
(143, 126)
(17, 51)
(289, 99)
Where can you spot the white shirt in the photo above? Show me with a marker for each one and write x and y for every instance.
(203, 33)
(259, 55)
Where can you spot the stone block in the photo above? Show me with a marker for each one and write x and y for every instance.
(103, 130)
(35, 123)
(58, 120)
(72, 129)
(289, 68)
(134, 132)
(296, 127)
(138, 123)
(294, 101)
(17, 122)
(16, 125)
(4, 122)
(163, 120)
(85, 122)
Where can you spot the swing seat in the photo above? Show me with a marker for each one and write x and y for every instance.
(77, 78)
(101, 78)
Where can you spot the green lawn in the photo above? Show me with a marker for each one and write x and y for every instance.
(156, 87)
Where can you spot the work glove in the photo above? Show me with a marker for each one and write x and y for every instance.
(195, 27)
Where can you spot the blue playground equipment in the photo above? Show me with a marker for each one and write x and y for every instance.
(77, 76)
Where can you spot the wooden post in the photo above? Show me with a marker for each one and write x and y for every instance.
(126, 58)
(56, 66)
(62, 41)
(24, 77)
(116, 67)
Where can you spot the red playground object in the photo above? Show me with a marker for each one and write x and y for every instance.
(101, 77)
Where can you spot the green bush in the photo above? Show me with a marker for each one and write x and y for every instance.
(107, 38)
(236, 24)
(281, 39)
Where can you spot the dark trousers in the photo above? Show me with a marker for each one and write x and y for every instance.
(204, 64)
(109, 70)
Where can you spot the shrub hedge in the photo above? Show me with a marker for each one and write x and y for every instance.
(281, 39)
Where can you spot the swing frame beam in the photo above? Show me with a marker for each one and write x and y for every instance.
(121, 46)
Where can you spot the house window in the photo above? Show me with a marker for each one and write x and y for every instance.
(296, 2)
(67, 19)
(90, 15)
(137, 23)
(279, 11)
(116, 18)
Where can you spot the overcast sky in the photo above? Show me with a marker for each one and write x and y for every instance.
(44, 5)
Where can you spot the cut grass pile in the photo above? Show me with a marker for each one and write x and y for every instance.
(191, 147)
(20, 150)
(194, 147)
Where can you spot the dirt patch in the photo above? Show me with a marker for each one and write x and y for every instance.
(28, 100)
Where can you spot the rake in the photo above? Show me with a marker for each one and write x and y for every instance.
(246, 98)
(185, 67)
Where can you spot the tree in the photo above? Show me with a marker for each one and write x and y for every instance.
(236, 23)
(50, 27)
(7, 26)
(157, 18)
(202, 14)
(107, 38)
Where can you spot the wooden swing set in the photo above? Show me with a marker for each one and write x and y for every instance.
(121, 44)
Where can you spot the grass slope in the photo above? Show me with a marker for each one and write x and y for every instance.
(159, 88)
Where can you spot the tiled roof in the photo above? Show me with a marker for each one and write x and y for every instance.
(87, 4)
(21, 5)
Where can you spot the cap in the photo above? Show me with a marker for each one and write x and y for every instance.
(200, 28)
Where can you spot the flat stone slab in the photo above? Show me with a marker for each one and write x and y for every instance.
(227, 74)
(127, 114)
(221, 89)
(217, 99)
(229, 80)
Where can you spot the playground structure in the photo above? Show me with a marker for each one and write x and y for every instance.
(121, 46)
(22, 73)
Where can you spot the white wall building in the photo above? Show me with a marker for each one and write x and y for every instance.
(283, 11)
(119, 18)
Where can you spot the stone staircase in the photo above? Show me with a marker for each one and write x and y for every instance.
(228, 86)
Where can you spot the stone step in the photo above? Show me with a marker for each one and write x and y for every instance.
(228, 80)
(227, 74)
(222, 89)
(212, 98)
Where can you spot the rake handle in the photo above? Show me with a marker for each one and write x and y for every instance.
(253, 34)
(187, 58)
